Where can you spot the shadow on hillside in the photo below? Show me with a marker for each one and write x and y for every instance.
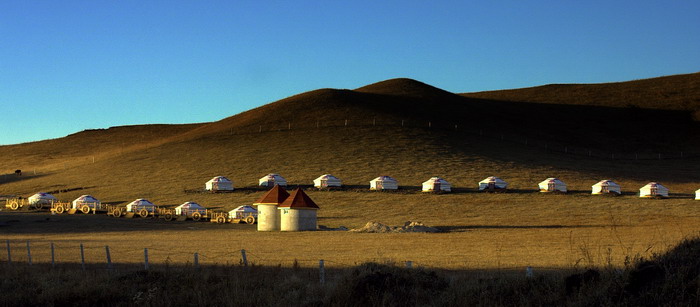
(462, 228)
(10, 178)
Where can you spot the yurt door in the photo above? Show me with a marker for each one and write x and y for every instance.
(492, 186)
(379, 185)
(604, 189)
(551, 186)
(436, 186)
(654, 190)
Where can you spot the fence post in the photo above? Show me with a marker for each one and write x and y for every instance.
(430, 124)
(374, 121)
(244, 258)
(196, 260)
(260, 130)
(346, 123)
(528, 272)
(290, 126)
(82, 256)
(29, 254)
(321, 272)
(402, 123)
(9, 253)
(145, 258)
(409, 264)
(109, 257)
(53, 256)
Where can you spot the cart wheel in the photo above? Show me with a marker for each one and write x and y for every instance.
(38, 206)
(221, 220)
(14, 205)
(143, 213)
(117, 213)
(196, 216)
(85, 209)
(60, 209)
(168, 217)
(250, 219)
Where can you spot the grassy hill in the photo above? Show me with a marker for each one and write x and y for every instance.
(405, 129)
(678, 92)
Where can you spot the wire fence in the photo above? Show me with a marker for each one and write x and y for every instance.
(93, 257)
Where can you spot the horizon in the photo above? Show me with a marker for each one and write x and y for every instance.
(81, 65)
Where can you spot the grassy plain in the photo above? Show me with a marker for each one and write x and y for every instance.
(482, 231)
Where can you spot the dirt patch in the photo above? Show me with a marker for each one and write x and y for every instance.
(375, 227)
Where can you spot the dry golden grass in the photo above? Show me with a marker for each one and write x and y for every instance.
(509, 230)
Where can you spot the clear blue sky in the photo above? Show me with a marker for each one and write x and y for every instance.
(66, 66)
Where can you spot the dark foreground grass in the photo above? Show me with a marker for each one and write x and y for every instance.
(670, 279)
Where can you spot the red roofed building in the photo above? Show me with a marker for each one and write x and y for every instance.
(268, 215)
(298, 212)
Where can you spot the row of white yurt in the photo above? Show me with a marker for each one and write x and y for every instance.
(436, 184)
(219, 183)
(653, 189)
(188, 208)
(492, 184)
(552, 185)
(140, 204)
(42, 198)
(606, 187)
(87, 200)
(281, 211)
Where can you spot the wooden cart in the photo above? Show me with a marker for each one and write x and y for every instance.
(19, 203)
(223, 217)
(120, 211)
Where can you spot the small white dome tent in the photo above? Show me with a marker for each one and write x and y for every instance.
(552, 185)
(653, 189)
(436, 184)
(606, 187)
(42, 198)
(383, 183)
(271, 180)
(327, 181)
(87, 200)
(190, 207)
(242, 212)
(219, 183)
(493, 184)
(140, 204)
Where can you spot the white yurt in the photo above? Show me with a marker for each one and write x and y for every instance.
(605, 187)
(552, 185)
(190, 207)
(436, 184)
(268, 215)
(298, 212)
(697, 194)
(88, 200)
(219, 183)
(140, 204)
(241, 212)
(42, 198)
(327, 181)
(653, 189)
(383, 183)
(270, 180)
(492, 184)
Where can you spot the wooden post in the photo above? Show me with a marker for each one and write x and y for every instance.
(430, 124)
(409, 264)
(196, 260)
(346, 123)
(374, 121)
(29, 254)
(82, 256)
(290, 126)
(53, 256)
(455, 127)
(244, 258)
(109, 257)
(528, 272)
(9, 253)
(402, 123)
(321, 272)
(145, 258)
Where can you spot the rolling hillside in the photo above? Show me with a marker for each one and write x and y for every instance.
(402, 128)
(678, 92)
